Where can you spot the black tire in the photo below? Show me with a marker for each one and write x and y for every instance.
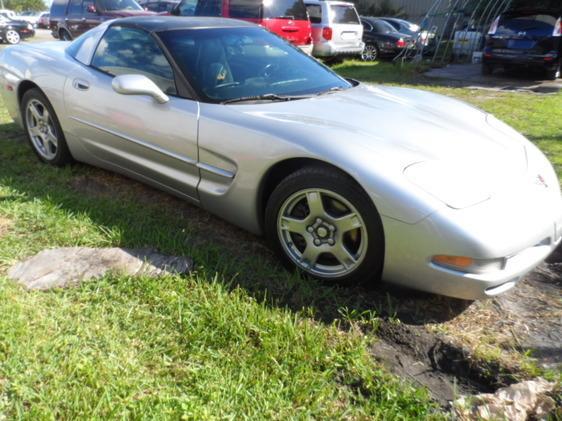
(370, 53)
(369, 266)
(61, 154)
(487, 69)
(65, 35)
(553, 74)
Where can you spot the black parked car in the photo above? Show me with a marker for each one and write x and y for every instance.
(382, 39)
(13, 31)
(530, 38)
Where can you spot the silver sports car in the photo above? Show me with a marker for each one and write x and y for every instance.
(349, 182)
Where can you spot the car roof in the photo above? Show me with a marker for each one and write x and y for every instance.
(170, 23)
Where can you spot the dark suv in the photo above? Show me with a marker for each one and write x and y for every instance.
(525, 38)
(71, 18)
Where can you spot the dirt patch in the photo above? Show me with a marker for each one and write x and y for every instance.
(446, 369)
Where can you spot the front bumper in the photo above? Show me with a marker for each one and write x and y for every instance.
(330, 49)
(524, 229)
(27, 33)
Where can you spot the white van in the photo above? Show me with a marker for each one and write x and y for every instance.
(336, 28)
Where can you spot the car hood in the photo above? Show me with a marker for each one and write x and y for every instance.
(394, 128)
(417, 125)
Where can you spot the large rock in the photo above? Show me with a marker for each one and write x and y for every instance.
(518, 402)
(70, 266)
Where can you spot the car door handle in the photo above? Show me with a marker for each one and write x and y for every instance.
(81, 85)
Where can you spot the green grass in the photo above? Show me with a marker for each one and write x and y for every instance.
(238, 338)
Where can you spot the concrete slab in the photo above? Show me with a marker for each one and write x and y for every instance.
(470, 76)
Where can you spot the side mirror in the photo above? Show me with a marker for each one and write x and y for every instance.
(91, 8)
(138, 85)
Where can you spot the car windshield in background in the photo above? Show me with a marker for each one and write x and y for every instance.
(226, 64)
(531, 25)
(284, 9)
(345, 14)
(110, 5)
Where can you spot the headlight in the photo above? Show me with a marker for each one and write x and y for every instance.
(29, 26)
(454, 185)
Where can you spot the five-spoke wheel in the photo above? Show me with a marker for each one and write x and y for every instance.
(43, 128)
(324, 224)
(13, 36)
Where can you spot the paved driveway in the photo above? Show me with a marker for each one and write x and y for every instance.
(470, 76)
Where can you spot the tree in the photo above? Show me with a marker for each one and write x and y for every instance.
(21, 5)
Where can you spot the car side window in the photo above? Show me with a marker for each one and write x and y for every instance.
(75, 7)
(367, 26)
(187, 8)
(88, 7)
(314, 13)
(209, 8)
(125, 50)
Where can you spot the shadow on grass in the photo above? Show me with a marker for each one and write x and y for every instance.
(134, 215)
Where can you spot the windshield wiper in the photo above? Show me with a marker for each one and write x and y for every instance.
(264, 97)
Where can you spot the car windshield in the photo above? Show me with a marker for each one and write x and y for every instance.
(110, 5)
(231, 63)
(344, 14)
(534, 25)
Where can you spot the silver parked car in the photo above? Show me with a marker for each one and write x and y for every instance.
(336, 28)
(348, 182)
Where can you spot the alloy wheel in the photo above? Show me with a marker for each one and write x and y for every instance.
(369, 53)
(41, 129)
(322, 233)
(13, 37)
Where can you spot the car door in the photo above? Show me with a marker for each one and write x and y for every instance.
(134, 133)
(73, 19)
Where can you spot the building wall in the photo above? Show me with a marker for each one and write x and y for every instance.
(415, 10)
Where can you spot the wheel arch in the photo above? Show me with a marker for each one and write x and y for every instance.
(25, 86)
(280, 170)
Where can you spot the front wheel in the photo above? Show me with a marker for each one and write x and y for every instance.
(12, 37)
(43, 129)
(323, 224)
(370, 53)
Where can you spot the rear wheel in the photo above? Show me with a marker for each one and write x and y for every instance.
(12, 37)
(43, 129)
(553, 74)
(323, 224)
(370, 53)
